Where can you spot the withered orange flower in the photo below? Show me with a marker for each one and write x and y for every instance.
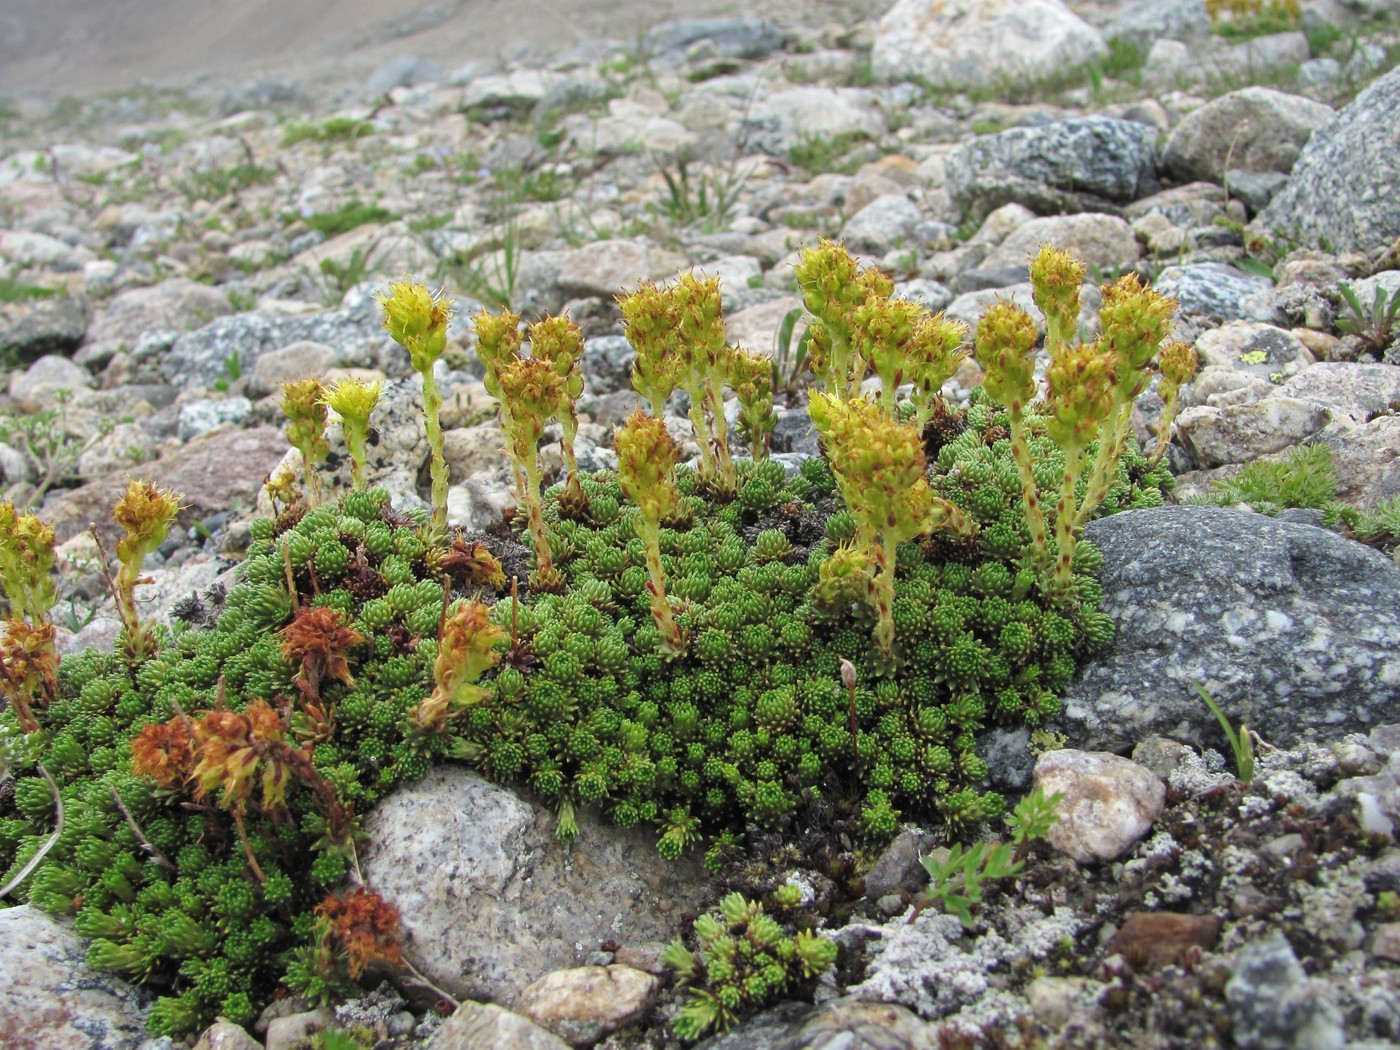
(164, 752)
(28, 669)
(472, 564)
(233, 746)
(366, 926)
(320, 641)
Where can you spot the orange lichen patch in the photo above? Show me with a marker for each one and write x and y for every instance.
(238, 750)
(318, 639)
(164, 752)
(366, 926)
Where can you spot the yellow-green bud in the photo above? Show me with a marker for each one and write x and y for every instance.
(646, 461)
(935, 352)
(1055, 282)
(829, 279)
(1081, 394)
(1006, 338)
(304, 405)
(417, 319)
(652, 322)
(145, 513)
(1133, 322)
(353, 400)
(1177, 363)
(559, 342)
(497, 345)
(26, 558)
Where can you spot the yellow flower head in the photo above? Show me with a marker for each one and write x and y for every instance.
(146, 513)
(417, 319)
(1006, 338)
(353, 400)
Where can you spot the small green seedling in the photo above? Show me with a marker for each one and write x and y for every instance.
(1241, 743)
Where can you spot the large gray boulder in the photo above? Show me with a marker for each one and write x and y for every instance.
(1343, 188)
(1294, 630)
(981, 43)
(51, 999)
(750, 38)
(199, 358)
(1140, 22)
(489, 899)
(1255, 129)
(1084, 164)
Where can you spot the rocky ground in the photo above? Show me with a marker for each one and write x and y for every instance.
(170, 255)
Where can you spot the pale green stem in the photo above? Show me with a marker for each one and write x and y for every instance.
(884, 594)
(534, 511)
(1035, 517)
(1065, 516)
(1113, 439)
(672, 639)
(432, 406)
(355, 444)
(725, 462)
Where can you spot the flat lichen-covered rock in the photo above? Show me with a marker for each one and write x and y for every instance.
(1293, 630)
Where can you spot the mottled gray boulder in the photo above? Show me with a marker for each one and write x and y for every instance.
(981, 43)
(841, 1024)
(884, 223)
(1294, 631)
(726, 37)
(44, 326)
(482, 1026)
(1084, 164)
(198, 358)
(789, 118)
(1102, 241)
(1140, 22)
(50, 999)
(403, 71)
(1254, 129)
(1343, 188)
(1213, 289)
(489, 899)
(607, 363)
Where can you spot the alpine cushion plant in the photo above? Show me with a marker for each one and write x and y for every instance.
(688, 672)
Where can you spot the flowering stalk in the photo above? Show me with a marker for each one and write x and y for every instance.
(933, 357)
(833, 285)
(646, 464)
(750, 376)
(417, 320)
(353, 400)
(1082, 383)
(653, 328)
(466, 651)
(534, 393)
(1006, 338)
(497, 347)
(879, 464)
(559, 343)
(28, 656)
(1176, 364)
(303, 403)
(702, 338)
(145, 513)
(1133, 322)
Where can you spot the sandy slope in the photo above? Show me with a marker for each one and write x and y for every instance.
(79, 46)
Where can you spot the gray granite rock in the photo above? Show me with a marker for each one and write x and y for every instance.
(1083, 164)
(841, 1024)
(1253, 129)
(1343, 186)
(974, 44)
(404, 71)
(1274, 1005)
(1293, 630)
(42, 326)
(1213, 289)
(482, 1026)
(884, 223)
(198, 358)
(750, 38)
(1140, 22)
(489, 899)
(50, 999)
(785, 119)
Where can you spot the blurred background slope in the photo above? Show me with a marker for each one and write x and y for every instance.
(81, 46)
